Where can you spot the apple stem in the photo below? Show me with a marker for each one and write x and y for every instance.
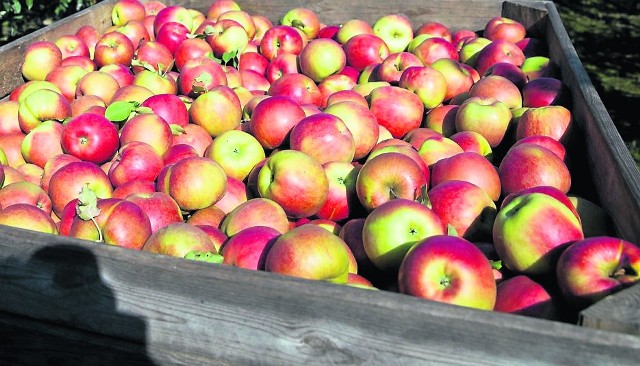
(97, 228)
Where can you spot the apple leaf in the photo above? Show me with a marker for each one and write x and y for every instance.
(496, 264)
(296, 23)
(119, 111)
(231, 56)
(176, 130)
(87, 207)
(208, 257)
(451, 230)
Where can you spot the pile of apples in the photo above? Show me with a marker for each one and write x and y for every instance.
(410, 158)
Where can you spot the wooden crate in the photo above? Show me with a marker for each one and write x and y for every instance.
(81, 302)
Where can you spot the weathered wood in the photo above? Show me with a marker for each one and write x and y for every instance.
(226, 314)
(12, 53)
(63, 290)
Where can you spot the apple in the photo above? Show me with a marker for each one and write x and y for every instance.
(280, 39)
(434, 28)
(249, 247)
(407, 150)
(529, 165)
(545, 91)
(253, 61)
(486, 116)
(193, 135)
(237, 152)
(136, 160)
(161, 209)
(442, 119)
(160, 83)
(524, 296)
(169, 107)
(131, 93)
(392, 228)
(304, 19)
(551, 121)
(113, 48)
(256, 211)
(342, 200)
(9, 117)
(433, 49)
(182, 240)
(394, 65)
(90, 137)
(71, 45)
(149, 128)
(395, 30)
(448, 269)
(365, 50)
(294, 180)
(66, 78)
(173, 13)
(89, 35)
(498, 51)
(152, 54)
(11, 145)
(40, 57)
(321, 58)
(262, 24)
(29, 217)
(346, 96)
(387, 177)
(189, 49)
(466, 207)
(98, 83)
(219, 7)
(361, 122)
(324, 137)
(427, 83)
(241, 17)
(235, 194)
(136, 31)
(532, 230)
(272, 120)
(40, 106)
(25, 192)
(298, 87)
(469, 48)
(134, 187)
(499, 88)
(351, 28)
(195, 183)
(593, 268)
(458, 78)
(226, 36)
(221, 99)
(510, 71)
(535, 67)
(125, 10)
(309, 252)
(31, 172)
(397, 109)
(121, 73)
(42, 143)
(171, 35)
(335, 83)
(505, 29)
(595, 220)
(68, 180)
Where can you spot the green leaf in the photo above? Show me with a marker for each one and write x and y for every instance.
(17, 7)
(87, 207)
(296, 23)
(176, 130)
(496, 264)
(451, 230)
(208, 257)
(230, 56)
(120, 111)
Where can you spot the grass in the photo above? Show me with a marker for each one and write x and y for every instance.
(605, 35)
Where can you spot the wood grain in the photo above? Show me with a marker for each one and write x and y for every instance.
(228, 315)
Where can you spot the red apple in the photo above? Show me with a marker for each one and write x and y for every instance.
(90, 137)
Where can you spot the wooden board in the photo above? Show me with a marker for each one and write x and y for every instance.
(224, 314)
(61, 290)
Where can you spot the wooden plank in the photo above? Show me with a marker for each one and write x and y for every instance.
(619, 312)
(614, 173)
(226, 314)
(12, 53)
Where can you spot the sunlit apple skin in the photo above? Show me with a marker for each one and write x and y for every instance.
(529, 165)
(125, 10)
(98, 83)
(498, 87)
(170, 107)
(309, 252)
(448, 269)
(66, 78)
(387, 177)
(435, 48)
(509, 71)
(396, 109)
(298, 87)
(342, 200)
(42, 143)
(25, 192)
(394, 65)
(504, 28)
(195, 136)
(134, 187)
(364, 50)
(113, 48)
(487, 116)
(221, 99)
(471, 167)
(498, 51)
(397, 147)
(90, 137)
(280, 39)
(178, 240)
(304, 19)
(148, 128)
(196, 183)
(593, 268)
(294, 180)
(171, 34)
(39, 59)
(29, 217)
(161, 209)
(522, 295)
(436, 148)
(361, 122)
(272, 120)
(237, 152)
(255, 212)
(395, 30)
(458, 79)
(248, 248)
(65, 184)
(323, 137)
(136, 160)
(532, 230)
(469, 48)
(427, 83)
(551, 121)
(545, 91)
(466, 207)
(42, 105)
(321, 58)
(122, 73)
